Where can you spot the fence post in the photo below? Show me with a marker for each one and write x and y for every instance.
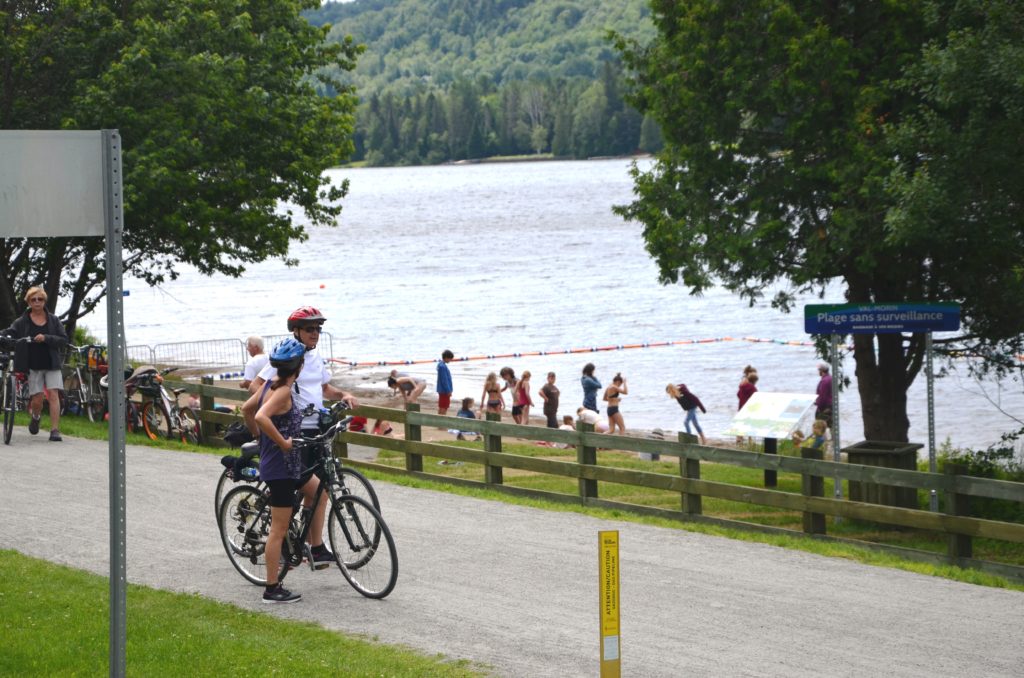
(771, 478)
(492, 443)
(690, 468)
(958, 545)
(413, 462)
(586, 455)
(813, 486)
(205, 405)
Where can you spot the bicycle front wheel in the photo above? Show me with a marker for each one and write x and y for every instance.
(189, 426)
(244, 526)
(359, 535)
(155, 420)
(351, 481)
(7, 402)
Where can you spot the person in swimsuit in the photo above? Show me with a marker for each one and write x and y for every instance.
(612, 394)
(523, 399)
(491, 397)
(409, 387)
(509, 375)
(274, 415)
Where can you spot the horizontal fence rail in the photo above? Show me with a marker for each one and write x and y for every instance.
(955, 523)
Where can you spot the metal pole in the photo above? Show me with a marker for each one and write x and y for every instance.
(836, 376)
(933, 499)
(113, 214)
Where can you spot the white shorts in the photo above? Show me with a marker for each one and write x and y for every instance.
(52, 379)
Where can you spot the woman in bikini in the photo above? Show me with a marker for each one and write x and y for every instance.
(491, 397)
(611, 396)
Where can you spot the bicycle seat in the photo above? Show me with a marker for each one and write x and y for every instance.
(251, 448)
(179, 391)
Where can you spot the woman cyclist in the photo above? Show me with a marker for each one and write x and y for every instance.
(274, 414)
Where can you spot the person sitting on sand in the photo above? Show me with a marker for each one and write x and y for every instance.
(593, 418)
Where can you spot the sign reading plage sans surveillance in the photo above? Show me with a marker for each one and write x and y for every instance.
(880, 318)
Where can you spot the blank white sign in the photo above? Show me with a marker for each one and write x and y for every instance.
(51, 183)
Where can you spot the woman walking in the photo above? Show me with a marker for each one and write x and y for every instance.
(689, 402)
(40, 358)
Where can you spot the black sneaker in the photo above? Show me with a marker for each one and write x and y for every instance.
(33, 425)
(322, 559)
(55, 436)
(278, 594)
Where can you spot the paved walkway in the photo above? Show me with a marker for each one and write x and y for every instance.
(516, 588)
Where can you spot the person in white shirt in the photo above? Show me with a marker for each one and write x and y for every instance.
(257, 360)
(314, 382)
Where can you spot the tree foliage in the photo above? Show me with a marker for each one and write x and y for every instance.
(808, 142)
(508, 73)
(218, 107)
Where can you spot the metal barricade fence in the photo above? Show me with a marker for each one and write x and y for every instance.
(212, 353)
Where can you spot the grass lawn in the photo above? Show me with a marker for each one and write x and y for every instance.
(54, 622)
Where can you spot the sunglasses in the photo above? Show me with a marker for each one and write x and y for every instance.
(312, 329)
(43, 299)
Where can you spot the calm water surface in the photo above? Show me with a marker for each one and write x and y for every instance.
(503, 258)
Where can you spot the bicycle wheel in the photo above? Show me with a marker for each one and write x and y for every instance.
(360, 536)
(73, 401)
(155, 420)
(352, 482)
(7, 402)
(96, 405)
(244, 526)
(224, 485)
(188, 426)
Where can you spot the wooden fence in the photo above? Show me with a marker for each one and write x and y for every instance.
(955, 522)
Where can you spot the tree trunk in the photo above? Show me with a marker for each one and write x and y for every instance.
(882, 382)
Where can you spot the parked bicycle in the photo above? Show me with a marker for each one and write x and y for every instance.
(133, 418)
(9, 385)
(359, 538)
(161, 412)
(344, 480)
(82, 394)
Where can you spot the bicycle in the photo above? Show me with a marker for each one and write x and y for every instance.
(343, 480)
(9, 385)
(354, 529)
(162, 413)
(82, 394)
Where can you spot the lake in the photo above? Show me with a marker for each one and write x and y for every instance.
(489, 259)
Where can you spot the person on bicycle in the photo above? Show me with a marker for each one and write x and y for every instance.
(41, 358)
(274, 414)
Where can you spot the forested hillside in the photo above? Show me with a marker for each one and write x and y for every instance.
(445, 80)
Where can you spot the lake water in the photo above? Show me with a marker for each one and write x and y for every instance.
(514, 258)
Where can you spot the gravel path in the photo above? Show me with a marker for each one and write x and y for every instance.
(515, 588)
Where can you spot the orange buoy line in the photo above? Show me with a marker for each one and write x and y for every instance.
(581, 349)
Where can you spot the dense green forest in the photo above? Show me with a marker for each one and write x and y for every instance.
(446, 80)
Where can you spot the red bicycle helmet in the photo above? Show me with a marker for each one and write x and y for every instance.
(305, 315)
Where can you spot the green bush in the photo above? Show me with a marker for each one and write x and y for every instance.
(999, 462)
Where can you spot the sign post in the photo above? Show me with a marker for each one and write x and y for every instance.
(69, 183)
(838, 319)
(608, 590)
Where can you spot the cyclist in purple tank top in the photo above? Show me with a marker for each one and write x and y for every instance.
(272, 413)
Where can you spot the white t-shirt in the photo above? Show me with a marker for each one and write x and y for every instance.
(590, 417)
(255, 365)
(311, 382)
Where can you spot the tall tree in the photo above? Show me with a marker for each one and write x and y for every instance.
(216, 102)
(778, 167)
